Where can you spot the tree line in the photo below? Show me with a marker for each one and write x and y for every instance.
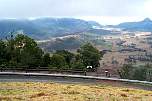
(143, 72)
(22, 51)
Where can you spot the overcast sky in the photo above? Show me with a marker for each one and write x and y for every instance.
(103, 11)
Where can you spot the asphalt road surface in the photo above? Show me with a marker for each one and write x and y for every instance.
(78, 79)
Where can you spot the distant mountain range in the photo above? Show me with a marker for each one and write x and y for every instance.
(145, 25)
(45, 28)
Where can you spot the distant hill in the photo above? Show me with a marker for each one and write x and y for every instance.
(73, 42)
(145, 25)
(70, 43)
(44, 28)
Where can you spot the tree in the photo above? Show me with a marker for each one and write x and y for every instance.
(126, 71)
(89, 55)
(24, 51)
(46, 60)
(77, 65)
(3, 53)
(67, 55)
(139, 73)
(12, 55)
(28, 46)
(148, 68)
(149, 75)
(58, 61)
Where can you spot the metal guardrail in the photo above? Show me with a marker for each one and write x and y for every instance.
(41, 70)
(75, 76)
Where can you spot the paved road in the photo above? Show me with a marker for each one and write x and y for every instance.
(40, 77)
(61, 78)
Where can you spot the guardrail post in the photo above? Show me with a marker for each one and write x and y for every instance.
(85, 72)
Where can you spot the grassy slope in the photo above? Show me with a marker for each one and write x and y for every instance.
(18, 91)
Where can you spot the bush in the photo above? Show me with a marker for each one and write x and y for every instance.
(126, 71)
(77, 66)
(139, 73)
(143, 73)
(58, 61)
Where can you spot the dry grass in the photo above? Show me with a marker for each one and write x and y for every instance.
(29, 91)
(120, 57)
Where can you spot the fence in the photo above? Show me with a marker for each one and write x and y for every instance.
(41, 69)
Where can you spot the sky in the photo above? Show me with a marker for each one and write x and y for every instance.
(106, 12)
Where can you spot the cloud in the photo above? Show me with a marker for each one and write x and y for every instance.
(37, 8)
